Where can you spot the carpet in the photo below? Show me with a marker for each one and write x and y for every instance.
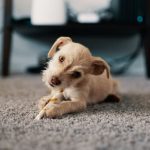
(106, 126)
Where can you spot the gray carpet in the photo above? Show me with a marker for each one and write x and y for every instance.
(107, 126)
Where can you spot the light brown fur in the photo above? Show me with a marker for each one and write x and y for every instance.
(94, 85)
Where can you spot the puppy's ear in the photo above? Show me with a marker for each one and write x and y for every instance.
(58, 43)
(98, 65)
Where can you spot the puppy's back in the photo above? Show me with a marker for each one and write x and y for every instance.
(100, 87)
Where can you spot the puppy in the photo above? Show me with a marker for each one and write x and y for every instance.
(82, 78)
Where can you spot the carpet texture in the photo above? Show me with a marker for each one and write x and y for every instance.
(106, 126)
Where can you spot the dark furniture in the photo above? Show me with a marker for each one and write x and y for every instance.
(71, 29)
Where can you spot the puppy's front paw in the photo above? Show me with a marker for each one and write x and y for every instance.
(52, 112)
(43, 101)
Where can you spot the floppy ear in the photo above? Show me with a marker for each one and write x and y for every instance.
(98, 66)
(58, 43)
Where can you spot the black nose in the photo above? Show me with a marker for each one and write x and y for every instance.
(55, 81)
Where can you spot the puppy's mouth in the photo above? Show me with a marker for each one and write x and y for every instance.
(52, 85)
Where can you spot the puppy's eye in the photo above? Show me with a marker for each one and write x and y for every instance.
(76, 74)
(61, 59)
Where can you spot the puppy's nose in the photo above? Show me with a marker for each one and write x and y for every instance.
(55, 81)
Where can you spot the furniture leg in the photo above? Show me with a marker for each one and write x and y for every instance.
(147, 52)
(7, 34)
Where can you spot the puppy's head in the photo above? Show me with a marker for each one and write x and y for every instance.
(71, 63)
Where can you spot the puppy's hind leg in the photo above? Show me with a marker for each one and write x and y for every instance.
(112, 98)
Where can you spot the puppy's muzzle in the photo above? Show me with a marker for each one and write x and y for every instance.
(55, 81)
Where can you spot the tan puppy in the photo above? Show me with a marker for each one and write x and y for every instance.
(80, 77)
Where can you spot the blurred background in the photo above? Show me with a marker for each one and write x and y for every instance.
(110, 28)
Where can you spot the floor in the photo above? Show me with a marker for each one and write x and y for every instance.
(106, 126)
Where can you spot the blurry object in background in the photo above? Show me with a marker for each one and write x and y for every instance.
(127, 17)
(129, 11)
(119, 65)
(42, 63)
(48, 12)
(93, 17)
(88, 18)
(120, 11)
(22, 8)
(82, 6)
(92, 12)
